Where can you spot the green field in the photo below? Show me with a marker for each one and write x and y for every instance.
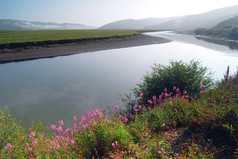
(8, 37)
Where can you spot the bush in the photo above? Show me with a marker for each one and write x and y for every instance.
(185, 76)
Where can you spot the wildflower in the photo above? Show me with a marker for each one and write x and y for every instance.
(126, 120)
(27, 144)
(141, 95)
(75, 126)
(115, 107)
(167, 95)
(74, 118)
(146, 134)
(60, 129)
(83, 119)
(135, 108)
(166, 133)
(159, 152)
(53, 127)
(202, 86)
(72, 142)
(61, 123)
(174, 88)
(34, 142)
(115, 144)
(150, 101)
(58, 147)
(165, 90)
(170, 103)
(67, 131)
(9, 146)
(154, 99)
(177, 90)
(103, 111)
(163, 125)
(32, 134)
(29, 149)
(131, 116)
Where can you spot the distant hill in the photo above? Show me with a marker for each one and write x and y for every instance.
(10, 24)
(229, 23)
(190, 22)
(227, 29)
(135, 24)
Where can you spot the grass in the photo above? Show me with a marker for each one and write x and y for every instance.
(166, 126)
(8, 37)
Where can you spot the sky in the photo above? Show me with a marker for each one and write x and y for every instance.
(99, 12)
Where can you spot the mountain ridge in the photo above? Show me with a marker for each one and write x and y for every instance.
(12, 24)
(190, 22)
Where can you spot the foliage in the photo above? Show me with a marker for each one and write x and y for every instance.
(185, 76)
(233, 34)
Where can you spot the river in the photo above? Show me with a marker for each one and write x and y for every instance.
(58, 88)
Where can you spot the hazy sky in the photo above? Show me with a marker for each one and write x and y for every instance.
(100, 12)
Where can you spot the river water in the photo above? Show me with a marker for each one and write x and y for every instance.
(58, 88)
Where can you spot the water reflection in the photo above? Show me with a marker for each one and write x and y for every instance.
(218, 45)
(231, 44)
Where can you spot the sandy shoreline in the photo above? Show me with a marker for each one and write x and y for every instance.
(15, 55)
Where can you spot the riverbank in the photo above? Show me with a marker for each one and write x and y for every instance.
(36, 52)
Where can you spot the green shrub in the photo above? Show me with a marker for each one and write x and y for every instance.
(185, 76)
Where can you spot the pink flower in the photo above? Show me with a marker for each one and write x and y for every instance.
(165, 90)
(141, 95)
(150, 101)
(131, 116)
(167, 95)
(29, 149)
(146, 134)
(31, 134)
(115, 107)
(83, 119)
(60, 129)
(159, 152)
(27, 144)
(75, 126)
(61, 123)
(34, 142)
(103, 111)
(135, 108)
(9, 146)
(177, 90)
(166, 133)
(163, 125)
(170, 103)
(202, 86)
(154, 98)
(174, 88)
(74, 118)
(67, 131)
(72, 142)
(53, 127)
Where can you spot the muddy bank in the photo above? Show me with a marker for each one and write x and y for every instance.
(65, 48)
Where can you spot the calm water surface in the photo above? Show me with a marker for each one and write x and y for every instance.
(58, 88)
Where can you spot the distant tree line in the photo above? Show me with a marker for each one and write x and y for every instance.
(228, 33)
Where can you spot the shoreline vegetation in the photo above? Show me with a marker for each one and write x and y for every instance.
(28, 45)
(174, 123)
